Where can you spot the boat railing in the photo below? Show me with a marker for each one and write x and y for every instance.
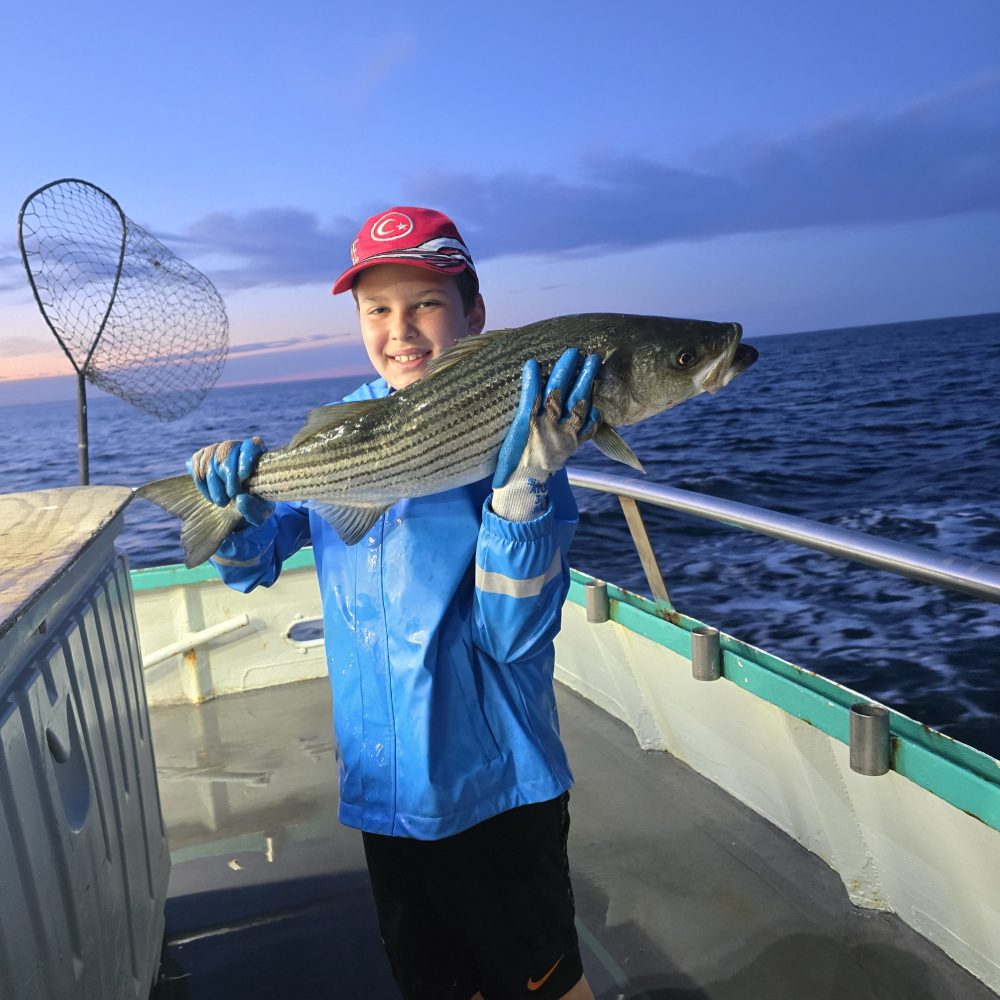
(952, 573)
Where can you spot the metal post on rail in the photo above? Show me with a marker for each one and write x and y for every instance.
(706, 654)
(869, 739)
(598, 604)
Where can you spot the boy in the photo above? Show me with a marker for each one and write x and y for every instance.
(439, 627)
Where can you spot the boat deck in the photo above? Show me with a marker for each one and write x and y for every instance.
(682, 893)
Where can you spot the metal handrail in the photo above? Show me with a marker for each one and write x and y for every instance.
(978, 579)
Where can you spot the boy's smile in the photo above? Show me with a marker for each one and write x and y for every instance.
(408, 316)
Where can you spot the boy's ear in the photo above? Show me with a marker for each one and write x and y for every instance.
(477, 315)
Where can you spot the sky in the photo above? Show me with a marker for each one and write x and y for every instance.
(785, 165)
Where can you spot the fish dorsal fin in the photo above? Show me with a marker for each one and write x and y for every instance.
(328, 418)
(459, 351)
(613, 445)
(350, 523)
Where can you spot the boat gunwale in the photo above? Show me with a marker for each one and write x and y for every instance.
(955, 772)
(961, 775)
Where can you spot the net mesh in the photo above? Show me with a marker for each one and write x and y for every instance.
(135, 319)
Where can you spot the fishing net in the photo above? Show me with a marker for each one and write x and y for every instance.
(132, 317)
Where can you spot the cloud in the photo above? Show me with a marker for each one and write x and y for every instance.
(624, 203)
(177, 360)
(308, 362)
(273, 246)
(293, 343)
(12, 274)
(14, 345)
(938, 157)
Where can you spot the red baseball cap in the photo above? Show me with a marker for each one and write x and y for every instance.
(407, 235)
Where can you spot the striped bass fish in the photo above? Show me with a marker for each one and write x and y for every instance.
(351, 461)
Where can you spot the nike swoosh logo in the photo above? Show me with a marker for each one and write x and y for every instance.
(537, 984)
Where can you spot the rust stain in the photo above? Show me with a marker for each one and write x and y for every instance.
(975, 817)
(668, 614)
(190, 658)
(936, 733)
(894, 745)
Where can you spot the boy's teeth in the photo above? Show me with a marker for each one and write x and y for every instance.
(409, 357)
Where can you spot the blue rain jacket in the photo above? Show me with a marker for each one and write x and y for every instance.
(439, 628)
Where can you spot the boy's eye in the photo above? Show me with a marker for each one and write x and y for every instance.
(429, 302)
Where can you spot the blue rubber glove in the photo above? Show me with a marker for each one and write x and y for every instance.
(547, 428)
(220, 472)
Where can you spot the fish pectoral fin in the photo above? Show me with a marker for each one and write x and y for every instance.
(326, 418)
(350, 523)
(613, 445)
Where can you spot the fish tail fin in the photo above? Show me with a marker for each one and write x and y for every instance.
(203, 525)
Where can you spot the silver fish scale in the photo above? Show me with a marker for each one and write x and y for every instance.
(443, 431)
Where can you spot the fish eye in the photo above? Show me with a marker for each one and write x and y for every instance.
(685, 359)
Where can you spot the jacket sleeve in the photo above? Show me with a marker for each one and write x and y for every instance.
(522, 577)
(253, 556)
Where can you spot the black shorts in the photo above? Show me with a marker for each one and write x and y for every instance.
(488, 909)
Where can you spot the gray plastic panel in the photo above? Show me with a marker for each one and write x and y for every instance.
(83, 853)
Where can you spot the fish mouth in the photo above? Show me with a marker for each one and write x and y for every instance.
(735, 360)
(744, 357)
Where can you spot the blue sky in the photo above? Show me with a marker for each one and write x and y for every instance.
(789, 166)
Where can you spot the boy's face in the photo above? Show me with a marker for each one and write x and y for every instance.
(409, 315)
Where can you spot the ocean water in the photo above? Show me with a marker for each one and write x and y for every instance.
(893, 430)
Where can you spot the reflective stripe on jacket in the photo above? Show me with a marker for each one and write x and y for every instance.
(439, 627)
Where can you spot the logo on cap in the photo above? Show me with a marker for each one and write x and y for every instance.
(391, 226)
